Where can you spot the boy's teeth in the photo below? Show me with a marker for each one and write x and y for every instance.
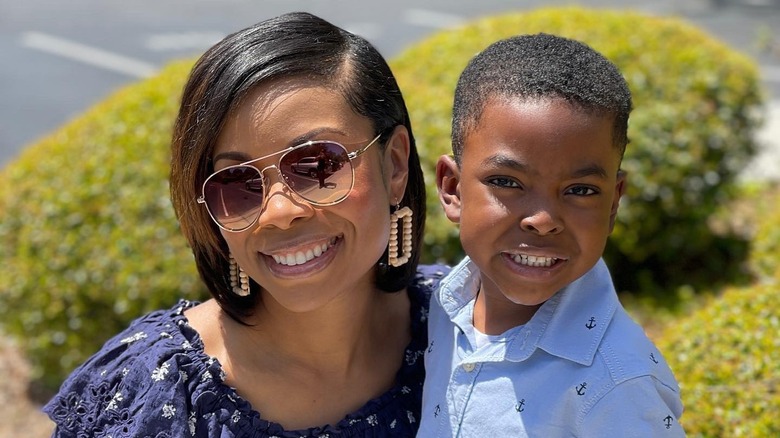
(301, 257)
(530, 260)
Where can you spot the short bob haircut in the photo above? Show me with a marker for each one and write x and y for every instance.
(289, 46)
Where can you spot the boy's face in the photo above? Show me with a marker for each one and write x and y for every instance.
(535, 196)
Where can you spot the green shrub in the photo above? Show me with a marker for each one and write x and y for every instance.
(88, 238)
(692, 131)
(765, 248)
(726, 357)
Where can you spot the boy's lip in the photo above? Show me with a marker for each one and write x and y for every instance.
(534, 257)
(535, 252)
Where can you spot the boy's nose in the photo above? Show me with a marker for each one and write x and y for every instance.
(541, 222)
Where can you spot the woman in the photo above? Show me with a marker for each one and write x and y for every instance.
(317, 323)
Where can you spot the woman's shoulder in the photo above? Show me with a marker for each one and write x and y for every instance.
(145, 368)
(428, 277)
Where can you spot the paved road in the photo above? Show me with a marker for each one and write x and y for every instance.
(60, 57)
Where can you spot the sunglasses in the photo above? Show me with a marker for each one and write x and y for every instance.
(319, 171)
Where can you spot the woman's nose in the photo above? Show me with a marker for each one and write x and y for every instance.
(281, 206)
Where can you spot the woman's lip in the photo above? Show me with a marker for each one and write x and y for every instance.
(306, 268)
(303, 253)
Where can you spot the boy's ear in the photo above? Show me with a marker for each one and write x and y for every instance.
(620, 189)
(396, 162)
(448, 185)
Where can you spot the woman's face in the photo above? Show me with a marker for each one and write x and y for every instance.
(305, 256)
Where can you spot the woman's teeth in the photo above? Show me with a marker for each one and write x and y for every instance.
(530, 260)
(301, 257)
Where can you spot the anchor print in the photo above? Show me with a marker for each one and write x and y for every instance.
(519, 407)
(581, 388)
(652, 357)
(436, 411)
(668, 421)
(591, 323)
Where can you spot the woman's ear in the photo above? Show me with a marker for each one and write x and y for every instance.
(448, 185)
(396, 162)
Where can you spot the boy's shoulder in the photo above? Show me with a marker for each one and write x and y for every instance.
(628, 352)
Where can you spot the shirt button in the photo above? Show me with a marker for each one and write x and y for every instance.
(468, 367)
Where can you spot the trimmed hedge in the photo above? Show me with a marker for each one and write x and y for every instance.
(88, 238)
(727, 360)
(765, 250)
(692, 131)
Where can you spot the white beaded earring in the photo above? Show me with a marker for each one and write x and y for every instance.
(239, 281)
(406, 215)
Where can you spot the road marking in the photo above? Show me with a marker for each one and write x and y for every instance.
(437, 20)
(183, 41)
(88, 55)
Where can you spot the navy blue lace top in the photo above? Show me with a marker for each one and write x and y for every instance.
(154, 380)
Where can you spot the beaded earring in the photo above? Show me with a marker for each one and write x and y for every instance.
(239, 281)
(405, 214)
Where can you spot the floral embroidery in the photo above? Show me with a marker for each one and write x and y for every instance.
(134, 338)
(168, 411)
(116, 399)
(160, 373)
(191, 423)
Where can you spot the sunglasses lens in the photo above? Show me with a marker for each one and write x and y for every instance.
(320, 173)
(234, 196)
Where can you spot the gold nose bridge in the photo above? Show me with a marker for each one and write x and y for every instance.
(267, 181)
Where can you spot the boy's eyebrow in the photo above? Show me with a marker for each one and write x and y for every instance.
(498, 160)
(590, 170)
(504, 161)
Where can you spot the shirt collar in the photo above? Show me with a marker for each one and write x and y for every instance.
(569, 325)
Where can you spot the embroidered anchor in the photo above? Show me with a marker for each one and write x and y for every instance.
(436, 411)
(581, 388)
(430, 347)
(591, 323)
(668, 421)
(519, 406)
(652, 357)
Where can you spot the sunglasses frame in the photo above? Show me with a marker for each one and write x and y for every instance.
(350, 156)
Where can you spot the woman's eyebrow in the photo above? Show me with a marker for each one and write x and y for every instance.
(232, 155)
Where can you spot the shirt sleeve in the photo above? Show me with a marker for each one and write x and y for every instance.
(640, 407)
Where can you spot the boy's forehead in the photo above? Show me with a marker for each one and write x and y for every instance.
(499, 104)
(517, 124)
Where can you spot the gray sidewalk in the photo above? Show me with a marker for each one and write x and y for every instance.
(766, 164)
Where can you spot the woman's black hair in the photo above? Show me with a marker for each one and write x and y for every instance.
(294, 45)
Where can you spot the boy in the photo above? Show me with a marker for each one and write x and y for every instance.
(528, 337)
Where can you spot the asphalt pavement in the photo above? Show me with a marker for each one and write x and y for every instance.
(59, 57)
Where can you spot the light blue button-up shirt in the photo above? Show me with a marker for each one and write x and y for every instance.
(579, 368)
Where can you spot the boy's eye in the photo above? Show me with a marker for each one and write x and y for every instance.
(582, 191)
(502, 181)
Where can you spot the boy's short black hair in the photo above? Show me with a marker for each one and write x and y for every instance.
(540, 66)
